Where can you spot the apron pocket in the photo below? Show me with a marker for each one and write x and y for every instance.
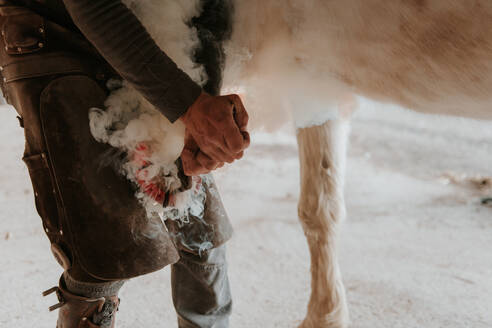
(23, 31)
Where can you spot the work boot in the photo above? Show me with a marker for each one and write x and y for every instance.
(83, 312)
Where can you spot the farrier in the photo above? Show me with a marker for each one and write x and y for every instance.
(55, 59)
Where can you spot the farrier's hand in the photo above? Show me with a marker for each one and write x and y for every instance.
(215, 133)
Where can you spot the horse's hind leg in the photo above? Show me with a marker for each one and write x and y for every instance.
(322, 152)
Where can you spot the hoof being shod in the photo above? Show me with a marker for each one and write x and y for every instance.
(327, 321)
(322, 315)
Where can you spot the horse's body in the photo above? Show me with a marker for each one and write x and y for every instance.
(433, 56)
(313, 57)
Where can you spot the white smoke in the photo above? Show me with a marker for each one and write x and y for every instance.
(131, 124)
(151, 144)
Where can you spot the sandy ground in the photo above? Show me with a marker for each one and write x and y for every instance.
(416, 250)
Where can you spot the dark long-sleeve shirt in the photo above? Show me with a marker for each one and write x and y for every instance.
(126, 45)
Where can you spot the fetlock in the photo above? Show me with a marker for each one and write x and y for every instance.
(83, 312)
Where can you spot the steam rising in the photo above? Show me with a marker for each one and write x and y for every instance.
(151, 144)
(131, 124)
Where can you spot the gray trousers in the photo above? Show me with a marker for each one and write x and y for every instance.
(200, 288)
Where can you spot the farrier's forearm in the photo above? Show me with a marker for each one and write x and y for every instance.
(123, 41)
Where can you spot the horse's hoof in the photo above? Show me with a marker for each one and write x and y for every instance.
(311, 322)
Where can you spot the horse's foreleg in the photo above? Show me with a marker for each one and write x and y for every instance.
(322, 152)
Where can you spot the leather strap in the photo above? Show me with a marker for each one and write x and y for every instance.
(50, 65)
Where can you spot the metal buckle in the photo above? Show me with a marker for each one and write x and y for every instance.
(59, 304)
(50, 291)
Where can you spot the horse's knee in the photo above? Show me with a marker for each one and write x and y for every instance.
(322, 218)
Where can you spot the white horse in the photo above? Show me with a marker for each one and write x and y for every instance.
(312, 58)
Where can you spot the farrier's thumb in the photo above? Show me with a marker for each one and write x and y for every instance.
(188, 156)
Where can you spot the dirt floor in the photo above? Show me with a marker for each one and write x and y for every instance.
(416, 249)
